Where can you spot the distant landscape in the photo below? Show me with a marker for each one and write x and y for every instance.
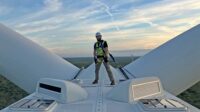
(86, 61)
(10, 93)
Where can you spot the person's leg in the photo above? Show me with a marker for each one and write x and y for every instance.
(97, 68)
(110, 75)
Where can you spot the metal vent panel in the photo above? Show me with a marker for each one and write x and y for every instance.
(168, 105)
(33, 104)
(144, 90)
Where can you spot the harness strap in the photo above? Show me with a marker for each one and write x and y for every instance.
(102, 46)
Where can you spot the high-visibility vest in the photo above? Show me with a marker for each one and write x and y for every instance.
(99, 48)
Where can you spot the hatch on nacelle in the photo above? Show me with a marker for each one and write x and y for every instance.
(60, 90)
(136, 89)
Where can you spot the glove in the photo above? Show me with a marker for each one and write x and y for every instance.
(105, 59)
(95, 60)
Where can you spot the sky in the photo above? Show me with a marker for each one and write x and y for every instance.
(68, 27)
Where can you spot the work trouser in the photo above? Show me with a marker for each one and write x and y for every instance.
(107, 66)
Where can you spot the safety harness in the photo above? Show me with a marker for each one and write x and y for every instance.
(99, 46)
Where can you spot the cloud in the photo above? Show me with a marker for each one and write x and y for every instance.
(106, 8)
(50, 7)
(4, 10)
(31, 30)
(53, 5)
(140, 27)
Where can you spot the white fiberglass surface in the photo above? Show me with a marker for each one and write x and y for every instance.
(89, 74)
(97, 100)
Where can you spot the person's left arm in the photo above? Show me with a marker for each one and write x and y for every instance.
(106, 51)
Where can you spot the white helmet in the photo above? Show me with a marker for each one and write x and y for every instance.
(98, 34)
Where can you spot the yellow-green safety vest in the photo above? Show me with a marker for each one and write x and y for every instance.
(99, 48)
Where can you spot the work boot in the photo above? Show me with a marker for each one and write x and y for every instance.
(112, 83)
(95, 82)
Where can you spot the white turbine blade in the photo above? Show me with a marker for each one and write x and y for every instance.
(24, 62)
(176, 62)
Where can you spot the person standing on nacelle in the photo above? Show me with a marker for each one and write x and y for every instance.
(101, 54)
